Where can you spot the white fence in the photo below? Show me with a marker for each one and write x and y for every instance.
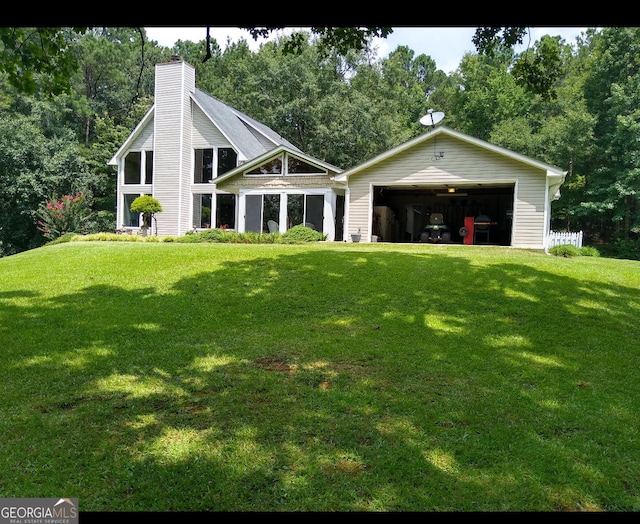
(558, 239)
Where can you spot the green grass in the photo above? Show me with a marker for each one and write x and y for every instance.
(323, 377)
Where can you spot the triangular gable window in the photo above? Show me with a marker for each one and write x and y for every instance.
(272, 167)
(294, 166)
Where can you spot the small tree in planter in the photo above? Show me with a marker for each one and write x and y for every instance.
(148, 206)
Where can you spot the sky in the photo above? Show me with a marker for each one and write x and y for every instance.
(445, 45)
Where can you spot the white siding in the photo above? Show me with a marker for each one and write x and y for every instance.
(461, 163)
(172, 146)
(144, 141)
(205, 134)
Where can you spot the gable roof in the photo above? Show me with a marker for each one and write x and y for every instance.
(242, 131)
(271, 154)
(553, 172)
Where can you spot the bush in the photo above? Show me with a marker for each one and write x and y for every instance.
(301, 233)
(565, 250)
(589, 251)
(70, 214)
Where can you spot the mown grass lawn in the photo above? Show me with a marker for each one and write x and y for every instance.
(321, 377)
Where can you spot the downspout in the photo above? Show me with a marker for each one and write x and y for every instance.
(347, 205)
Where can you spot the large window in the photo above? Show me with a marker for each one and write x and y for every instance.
(202, 211)
(138, 167)
(203, 164)
(130, 219)
(132, 165)
(225, 210)
(227, 160)
(260, 209)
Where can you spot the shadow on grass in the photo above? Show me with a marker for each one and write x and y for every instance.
(327, 381)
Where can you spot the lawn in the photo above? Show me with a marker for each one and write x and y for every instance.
(319, 377)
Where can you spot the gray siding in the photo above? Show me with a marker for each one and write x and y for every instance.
(462, 163)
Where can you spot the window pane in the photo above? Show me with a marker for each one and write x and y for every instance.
(226, 212)
(148, 175)
(296, 166)
(132, 168)
(314, 215)
(201, 211)
(253, 213)
(227, 160)
(271, 211)
(130, 219)
(295, 210)
(273, 167)
(203, 166)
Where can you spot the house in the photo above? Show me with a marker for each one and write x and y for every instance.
(210, 165)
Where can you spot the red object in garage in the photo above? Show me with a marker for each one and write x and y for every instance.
(468, 224)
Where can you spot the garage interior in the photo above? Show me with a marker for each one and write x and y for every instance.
(471, 214)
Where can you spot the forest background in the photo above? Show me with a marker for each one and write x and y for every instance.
(343, 109)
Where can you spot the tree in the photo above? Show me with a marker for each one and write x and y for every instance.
(38, 58)
(148, 206)
(612, 91)
(34, 166)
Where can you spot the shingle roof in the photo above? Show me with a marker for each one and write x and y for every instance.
(238, 128)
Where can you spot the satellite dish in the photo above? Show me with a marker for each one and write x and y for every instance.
(432, 118)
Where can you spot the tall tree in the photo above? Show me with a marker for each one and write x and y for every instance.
(612, 91)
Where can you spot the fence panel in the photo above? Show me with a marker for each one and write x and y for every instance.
(561, 238)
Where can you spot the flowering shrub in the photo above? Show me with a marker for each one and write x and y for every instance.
(70, 214)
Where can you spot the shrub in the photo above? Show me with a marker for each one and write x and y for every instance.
(301, 233)
(589, 251)
(67, 237)
(565, 250)
(70, 214)
(148, 206)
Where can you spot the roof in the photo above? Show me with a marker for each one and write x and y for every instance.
(240, 130)
(552, 171)
(273, 153)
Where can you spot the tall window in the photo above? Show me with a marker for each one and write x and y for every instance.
(305, 209)
(138, 169)
(148, 167)
(227, 160)
(130, 219)
(203, 166)
(202, 211)
(226, 210)
(132, 164)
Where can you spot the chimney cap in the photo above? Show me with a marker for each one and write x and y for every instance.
(175, 58)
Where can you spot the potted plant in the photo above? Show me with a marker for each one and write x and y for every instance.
(148, 206)
(355, 237)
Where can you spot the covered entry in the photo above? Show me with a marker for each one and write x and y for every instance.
(402, 213)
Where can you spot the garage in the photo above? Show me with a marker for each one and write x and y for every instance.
(461, 214)
(447, 187)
